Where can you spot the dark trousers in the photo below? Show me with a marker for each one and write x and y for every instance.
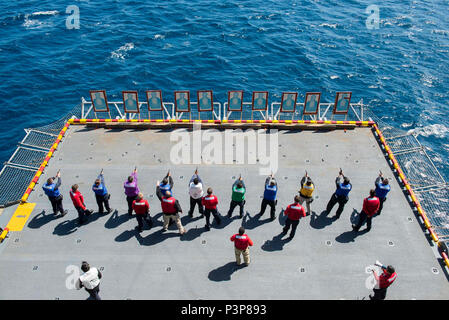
(234, 204)
(103, 199)
(193, 203)
(214, 212)
(93, 293)
(56, 203)
(141, 217)
(341, 204)
(379, 294)
(293, 223)
(362, 218)
(130, 203)
(271, 203)
(382, 200)
(82, 214)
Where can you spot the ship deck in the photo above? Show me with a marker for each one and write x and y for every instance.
(325, 260)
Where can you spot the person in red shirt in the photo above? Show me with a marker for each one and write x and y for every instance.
(241, 246)
(170, 210)
(294, 212)
(210, 202)
(383, 282)
(78, 202)
(142, 209)
(370, 207)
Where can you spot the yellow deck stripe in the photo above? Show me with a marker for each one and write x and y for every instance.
(20, 216)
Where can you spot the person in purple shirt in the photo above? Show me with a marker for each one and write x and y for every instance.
(131, 190)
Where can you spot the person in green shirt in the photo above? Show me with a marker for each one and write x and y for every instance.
(238, 196)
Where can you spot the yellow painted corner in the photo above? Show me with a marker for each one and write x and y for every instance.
(20, 216)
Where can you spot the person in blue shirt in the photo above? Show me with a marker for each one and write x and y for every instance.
(340, 195)
(101, 194)
(164, 186)
(51, 189)
(382, 189)
(269, 197)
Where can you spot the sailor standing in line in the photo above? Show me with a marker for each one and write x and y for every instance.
(171, 209)
(238, 196)
(382, 189)
(269, 197)
(164, 186)
(78, 202)
(131, 190)
(340, 195)
(210, 202)
(101, 194)
(90, 280)
(306, 192)
(196, 193)
(370, 206)
(51, 189)
(294, 213)
(241, 246)
(142, 209)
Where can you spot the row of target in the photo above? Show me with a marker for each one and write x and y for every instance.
(205, 101)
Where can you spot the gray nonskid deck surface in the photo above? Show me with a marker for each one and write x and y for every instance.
(152, 265)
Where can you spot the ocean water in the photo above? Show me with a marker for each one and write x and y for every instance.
(400, 69)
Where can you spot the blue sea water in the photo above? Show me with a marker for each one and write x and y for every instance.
(400, 69)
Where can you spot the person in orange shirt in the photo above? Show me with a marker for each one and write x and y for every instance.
(294, 212)
(241, 246)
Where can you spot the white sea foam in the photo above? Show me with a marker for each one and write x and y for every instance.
(436, 130)
(121, 52)
(159, 36)
(32, 23)
(406, 125)
(36, 23)
(334, 77)
(46, 13)
(333, 26)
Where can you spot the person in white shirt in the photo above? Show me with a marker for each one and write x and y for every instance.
(90, 280)
(196, 193)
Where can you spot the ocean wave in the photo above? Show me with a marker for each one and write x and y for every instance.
(121, 52)
(45, 13)
(33, 23)
(444, 32)
(428, 80)
(159, 36)
(333, 26)
(435, 130)
(36, 23)
(406, 125)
